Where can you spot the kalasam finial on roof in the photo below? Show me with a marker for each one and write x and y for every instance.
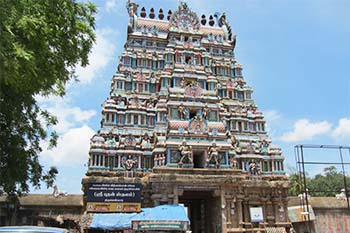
(184, 19)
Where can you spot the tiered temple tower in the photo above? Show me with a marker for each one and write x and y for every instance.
(181, 121)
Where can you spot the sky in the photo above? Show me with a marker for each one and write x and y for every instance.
(295, 54)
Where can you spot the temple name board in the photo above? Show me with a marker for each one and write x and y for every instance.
(114, 197)
(160, 225)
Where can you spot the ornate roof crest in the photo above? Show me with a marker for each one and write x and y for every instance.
(184, 19)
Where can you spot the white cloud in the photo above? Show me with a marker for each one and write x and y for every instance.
(102, 53)
(272, 115)
(116, 6)
(68, 116)
(273, 120)
(74, 133)
(72, 147)
(306, 130)
(342, 132)
(110, 5)
(274, 123)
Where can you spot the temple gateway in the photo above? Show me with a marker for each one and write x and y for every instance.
(180, 127)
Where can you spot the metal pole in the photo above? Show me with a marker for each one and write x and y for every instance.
(344, 176)
(299, 170)
(297, 165)
(296, 158)
(300, 178)
(305, 188)
(347, 194)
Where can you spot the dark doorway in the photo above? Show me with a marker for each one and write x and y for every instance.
(198, 159)
(193, 113)
(203, 211)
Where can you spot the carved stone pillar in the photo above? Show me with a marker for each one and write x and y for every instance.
(265, 212)
(282, 211)
(223, 211)
(156, 199)
(176, 196)
(205, 155)
(239, 212)
(275, 210)
(246, 211)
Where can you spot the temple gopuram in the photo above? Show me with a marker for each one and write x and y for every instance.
(180, 126)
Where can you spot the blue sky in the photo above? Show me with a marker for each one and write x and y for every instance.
(295, 54)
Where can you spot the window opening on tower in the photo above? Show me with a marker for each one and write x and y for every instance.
(193, 113)
(188, 59)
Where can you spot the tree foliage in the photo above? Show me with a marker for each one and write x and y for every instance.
(41, 44)
(328, 184)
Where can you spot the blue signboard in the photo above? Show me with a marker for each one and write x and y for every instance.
(114, 192)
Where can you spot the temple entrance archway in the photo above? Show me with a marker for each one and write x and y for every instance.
(203, 210)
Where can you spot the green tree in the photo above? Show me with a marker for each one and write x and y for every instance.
(41, 42)
(297, 183)
(328, 184)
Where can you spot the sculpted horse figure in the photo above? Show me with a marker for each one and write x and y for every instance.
(341, 195)
(58, 193)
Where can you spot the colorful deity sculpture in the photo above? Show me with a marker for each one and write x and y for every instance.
(213, 155)
(186, 153)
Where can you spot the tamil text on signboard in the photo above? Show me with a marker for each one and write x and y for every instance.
(114, 197)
